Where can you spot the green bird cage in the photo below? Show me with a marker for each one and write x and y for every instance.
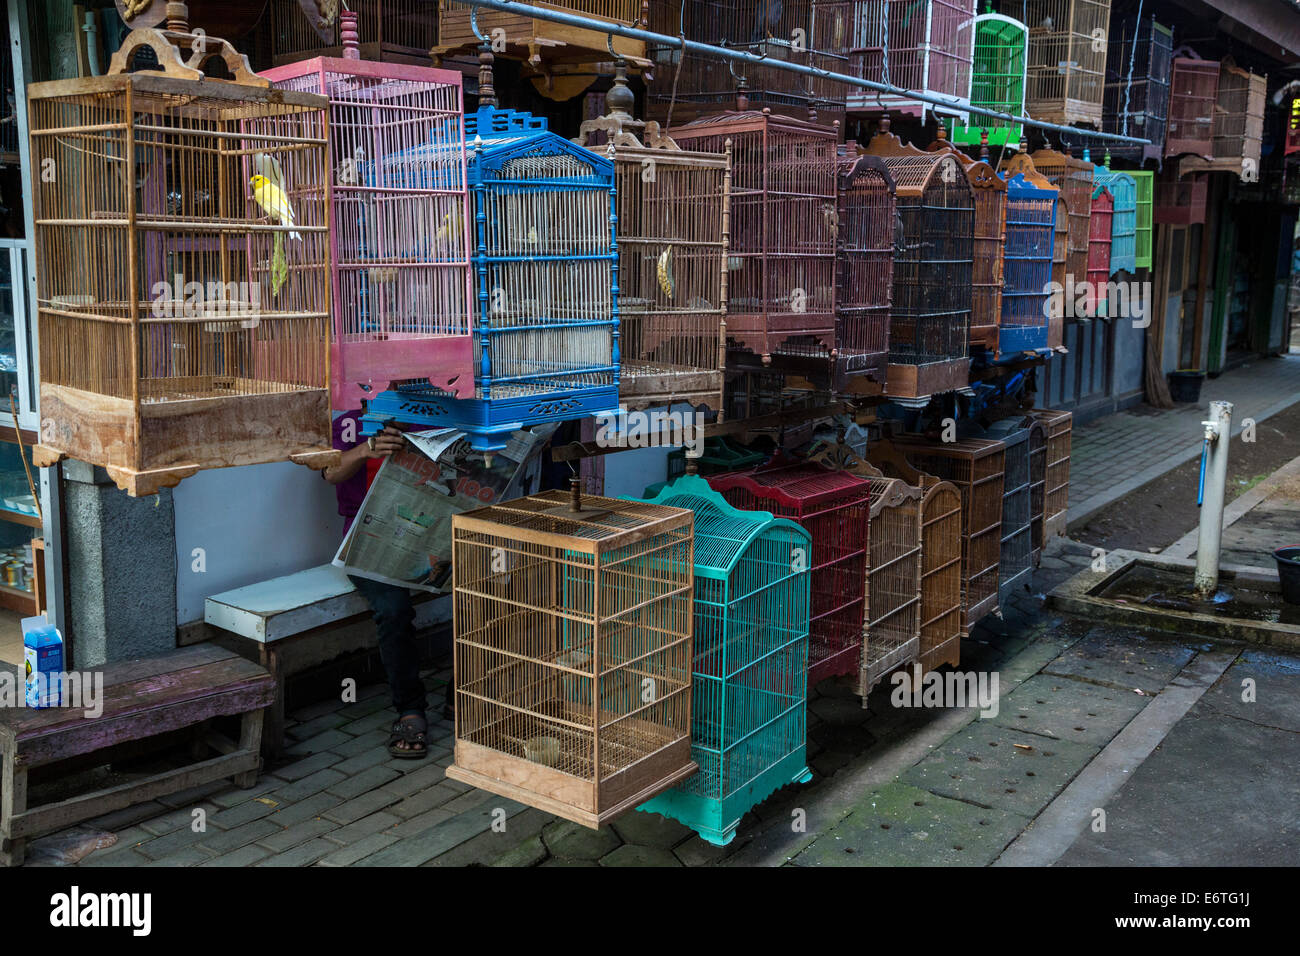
(997, 81)
(750, 667)
(1145, 180)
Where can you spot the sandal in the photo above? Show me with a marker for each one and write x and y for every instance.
(411, 731)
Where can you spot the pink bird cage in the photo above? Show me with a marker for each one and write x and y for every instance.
(398, 244)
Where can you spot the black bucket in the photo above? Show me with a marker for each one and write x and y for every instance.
(1185, 385)
(1288, 573)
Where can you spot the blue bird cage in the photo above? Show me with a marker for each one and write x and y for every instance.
(1123, 225)
(748, 717)
(1027, 275)
(544, 263)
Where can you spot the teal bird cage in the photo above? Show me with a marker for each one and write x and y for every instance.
(997, 81)
(750, 678)
(1124, 222)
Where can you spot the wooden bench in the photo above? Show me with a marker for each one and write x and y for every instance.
(291, 623)
(187, 688)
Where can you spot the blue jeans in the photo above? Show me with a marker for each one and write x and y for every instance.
(395, 621)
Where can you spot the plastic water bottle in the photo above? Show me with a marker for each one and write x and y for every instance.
(43, 652)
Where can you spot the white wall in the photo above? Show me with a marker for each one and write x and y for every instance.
(253, 523)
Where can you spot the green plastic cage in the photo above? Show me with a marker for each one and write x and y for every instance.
(997, 80)
(1145, 180)
(750, 668)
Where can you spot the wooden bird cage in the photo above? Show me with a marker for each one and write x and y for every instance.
(975, 466)
(1099, 241)
(1016, 560)
(933, 267)
(921, 45)
(1139, 58)
(833, 506)
(1181, 201)
(573, 652)
(542, 43)
(396, 31)
(1239, 119)
(1073, 177)
(864, 269)
(544, 264)
(998, 78)
(781, 254)
(1058, 426)
(1067, 60)
(1292, 142)
(749, 680)
(1031, 240)
(673, 220)
(1037, 484)
(1144, 182)
(1193, 95)
(990, 193)
(941, 557)
(1123, 227)
(399, 254)
(181, 325)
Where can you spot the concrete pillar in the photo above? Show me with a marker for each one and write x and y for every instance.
(121, 569)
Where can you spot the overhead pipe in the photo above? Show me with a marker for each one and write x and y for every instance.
(681, 43)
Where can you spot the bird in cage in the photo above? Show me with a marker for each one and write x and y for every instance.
(270, 194)
(274, 203)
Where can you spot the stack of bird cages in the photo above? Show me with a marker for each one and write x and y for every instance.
(545, 270)
(1099, 241)
(864, 269)
(1144, 183)
(1181, 201)
(1016, 563)
(749, 670)
(1031, 239)
(933, 268)
(1073, 177)
(1239, 120)
(400, 252)
(941, 621)
(781, 254)
(182, 257)
(1193, 94)
(396, 31)
(1123, 227)
(975, 466)
(573, 652)
(673, 208)
(834, 507)
(997, 81)
(1058, 426)
(1067, 59)
(924, 46)
(540, 42)
(1138, 63)
(1037, 484)
(990, 192)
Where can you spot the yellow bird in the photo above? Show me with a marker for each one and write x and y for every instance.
(450, 228)
(274, 203)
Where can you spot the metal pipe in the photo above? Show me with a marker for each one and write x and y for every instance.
(618, 29)
(1217, 432)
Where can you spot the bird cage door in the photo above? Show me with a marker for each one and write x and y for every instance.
(1067, 60)
(998, 76)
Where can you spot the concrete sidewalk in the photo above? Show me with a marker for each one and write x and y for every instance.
(1116, 455)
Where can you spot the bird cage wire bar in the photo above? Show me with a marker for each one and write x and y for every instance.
(925, 48)
(1138, 64)
(399, 247)
(1073, 177)
(749, 671)
(998, 77)
(1037, 484)
(675, 42)
(1067, 59)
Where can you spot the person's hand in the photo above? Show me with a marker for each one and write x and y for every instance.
(384, 443)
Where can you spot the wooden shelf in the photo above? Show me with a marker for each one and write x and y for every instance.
(19, 517)
(15, 599)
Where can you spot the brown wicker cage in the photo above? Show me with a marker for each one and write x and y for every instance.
(395, 31)
(1066, 78)
(521, 37)
(573, 651)
(864, 269)
(781, 253)
(1238, 124)
(1059, 426)
(673, 218)
(930, 315)
(1073, 177)
(1193, 95)
(182, 326)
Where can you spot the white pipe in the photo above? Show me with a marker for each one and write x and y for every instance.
(1217, 432)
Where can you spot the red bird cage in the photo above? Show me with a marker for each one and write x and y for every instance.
(396, 31)
(975, 466)
(834, 507)
(1099, 239)
(987, 269)
(781, 260)
(1193, 95)
(1059, 427)
(1182, 201)
(864, 269)
(930, 319)
(1073, 177)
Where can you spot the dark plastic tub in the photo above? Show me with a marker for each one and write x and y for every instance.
(1288, 573)
(1185, 385)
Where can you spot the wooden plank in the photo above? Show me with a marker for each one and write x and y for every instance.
(284, 606)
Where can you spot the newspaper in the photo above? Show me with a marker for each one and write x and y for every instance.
(402, 534)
